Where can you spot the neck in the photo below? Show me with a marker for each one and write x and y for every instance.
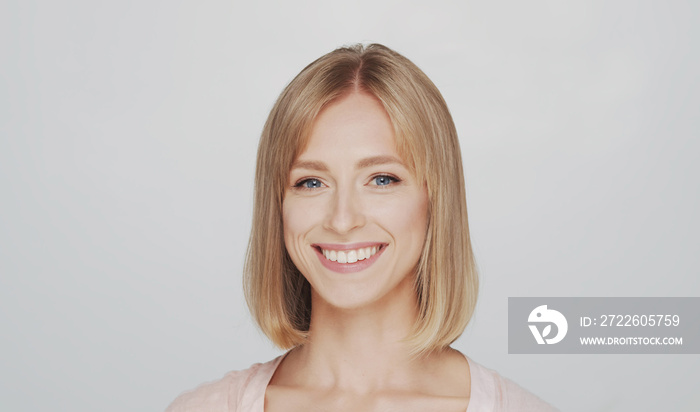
(361, 349)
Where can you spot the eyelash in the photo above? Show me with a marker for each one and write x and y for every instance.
(301, 183)
(392, 179)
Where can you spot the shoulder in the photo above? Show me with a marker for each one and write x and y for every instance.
(237, 391)
(493, 392)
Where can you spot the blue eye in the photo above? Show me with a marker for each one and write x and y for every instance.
(384, 180)
(310, 184)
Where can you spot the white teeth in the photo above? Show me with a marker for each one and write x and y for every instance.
(342, 257)
(350, 256)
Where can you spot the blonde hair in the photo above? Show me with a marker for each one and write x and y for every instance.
(278, 295)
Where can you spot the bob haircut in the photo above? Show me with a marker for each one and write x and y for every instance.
(446, 283)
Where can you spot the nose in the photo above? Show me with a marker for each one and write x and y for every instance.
(345, 212)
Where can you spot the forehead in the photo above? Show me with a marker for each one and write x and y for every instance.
(356, 124)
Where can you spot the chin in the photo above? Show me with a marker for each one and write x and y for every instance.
(343, 301)
(400, 296)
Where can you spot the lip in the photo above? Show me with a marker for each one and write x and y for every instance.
(348, 267)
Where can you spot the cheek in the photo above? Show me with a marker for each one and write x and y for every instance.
(291, 228)
(297, 220)
(416, 223)
(408, 215)
(290, 222)
(415, 220)
(417, 210)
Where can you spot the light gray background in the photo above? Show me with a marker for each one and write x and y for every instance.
(128, 133)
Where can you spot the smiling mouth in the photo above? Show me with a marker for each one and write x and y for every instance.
(350, 256)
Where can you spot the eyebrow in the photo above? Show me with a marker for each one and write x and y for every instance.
(361, 164)
(310, 165)
(377, 160)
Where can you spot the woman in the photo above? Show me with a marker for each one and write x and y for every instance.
(359, 260)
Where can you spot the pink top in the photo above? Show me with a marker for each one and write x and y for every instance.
(244, 391)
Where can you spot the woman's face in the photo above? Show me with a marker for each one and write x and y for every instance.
(354, 216)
